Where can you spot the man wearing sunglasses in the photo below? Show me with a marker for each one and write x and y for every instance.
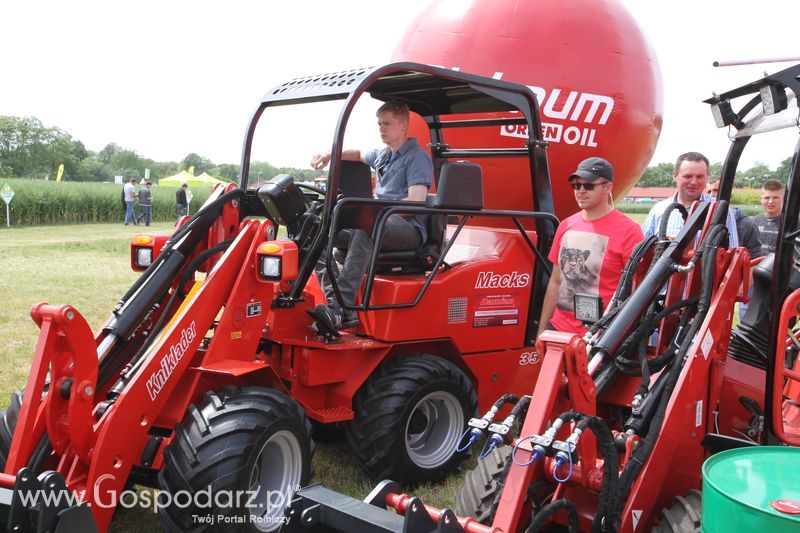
(590, 248)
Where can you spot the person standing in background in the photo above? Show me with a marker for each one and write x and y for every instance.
(690, 174)
(145, 202)
(746, 228)
(181, 204)
(767, 222)
(130, 199)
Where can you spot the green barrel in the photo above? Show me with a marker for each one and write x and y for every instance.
(738, 486)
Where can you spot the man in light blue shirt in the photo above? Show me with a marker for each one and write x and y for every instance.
(404, 171)
(690, 175)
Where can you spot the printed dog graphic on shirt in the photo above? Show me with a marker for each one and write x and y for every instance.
(580, 260)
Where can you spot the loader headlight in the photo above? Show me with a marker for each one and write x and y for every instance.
(144, 257)
(588, 307)
(723, 114)
(773, 99)
(276, 261)
(270, 267)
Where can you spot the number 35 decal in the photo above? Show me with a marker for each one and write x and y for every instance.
(528, 358)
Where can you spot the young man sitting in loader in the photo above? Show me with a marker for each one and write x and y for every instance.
(404, 172)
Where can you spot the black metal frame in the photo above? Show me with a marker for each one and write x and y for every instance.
(431, 92)
(316, 509)
(392, 207)
(789, 227)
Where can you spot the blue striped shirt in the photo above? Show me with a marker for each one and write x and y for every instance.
(675, 223)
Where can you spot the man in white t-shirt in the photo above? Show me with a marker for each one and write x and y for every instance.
(130, 198)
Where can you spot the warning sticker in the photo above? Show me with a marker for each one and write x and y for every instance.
(495, 310)
(707, 344)
(253, 309)
(698, 414)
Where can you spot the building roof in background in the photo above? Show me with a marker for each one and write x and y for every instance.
(650, 192)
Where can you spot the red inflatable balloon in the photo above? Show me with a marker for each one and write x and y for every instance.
(595, 75)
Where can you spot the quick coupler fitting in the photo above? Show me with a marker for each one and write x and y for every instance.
(552, 430)
(566, 455)
(470, 437)
(562, 459)
(484, 421)
(636, 403)
(566, 449)
(492, 442)
(504, 427)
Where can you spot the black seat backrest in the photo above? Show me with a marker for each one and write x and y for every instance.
(355, 180)
(460, 186)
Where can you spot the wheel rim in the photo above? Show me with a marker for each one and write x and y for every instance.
(433, 429)
(275, 475)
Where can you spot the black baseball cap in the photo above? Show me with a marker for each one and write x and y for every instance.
(592, 169)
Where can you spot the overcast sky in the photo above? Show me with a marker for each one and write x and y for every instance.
(169, 78)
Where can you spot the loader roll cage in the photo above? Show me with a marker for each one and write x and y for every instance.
(432, 93)
(772, 104)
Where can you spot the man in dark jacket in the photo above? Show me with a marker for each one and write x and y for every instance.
(181, 204)
(145, 202)
(745, 227)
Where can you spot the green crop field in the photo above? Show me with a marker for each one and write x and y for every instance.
(47, 202)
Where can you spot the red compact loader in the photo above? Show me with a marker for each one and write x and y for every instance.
(207, 383)
(617, 425)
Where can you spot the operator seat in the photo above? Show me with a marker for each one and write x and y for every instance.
(460, 187)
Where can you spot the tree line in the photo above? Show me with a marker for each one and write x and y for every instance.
(660, 175)
(29, 149)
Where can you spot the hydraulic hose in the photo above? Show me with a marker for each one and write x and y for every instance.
(568, 416)
(541, 518)
(642, 331)
(505, 399)
(477, 427)
(195, 263)
(641, 454)
(631, 267)
(201, 215)
(521, 407)
(150, 288)
(156, 280)
(662, 227)
(502, 431)
(625, 284)
(605, 441)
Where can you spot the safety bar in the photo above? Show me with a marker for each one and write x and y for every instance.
(398, 207)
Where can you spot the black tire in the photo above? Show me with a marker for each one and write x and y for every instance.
(683, 516)
(392, 436)
(480, 493)
(8, 422)
(218, 447)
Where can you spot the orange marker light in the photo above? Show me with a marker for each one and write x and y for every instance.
(143, 240)
(269, 248)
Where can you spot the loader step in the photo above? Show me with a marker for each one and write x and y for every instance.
(331, 414)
